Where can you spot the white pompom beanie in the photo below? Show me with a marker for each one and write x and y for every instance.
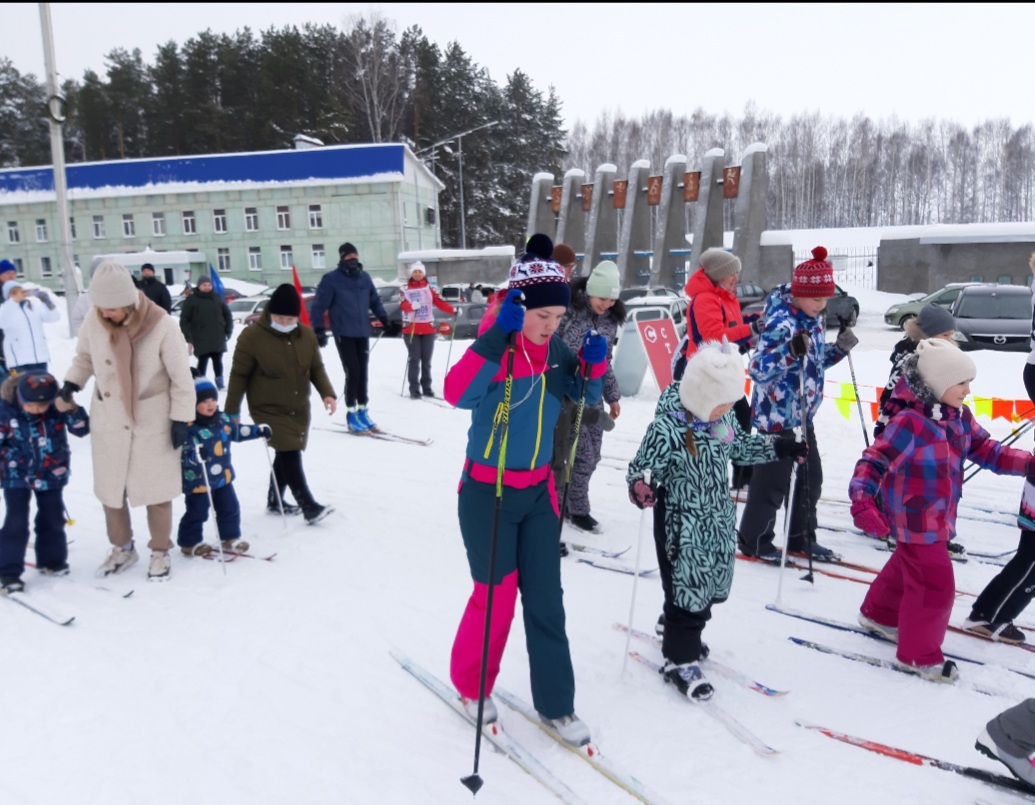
(943, 365)
(714, 376)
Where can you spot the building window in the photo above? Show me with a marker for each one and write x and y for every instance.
(315, 216)
(71, 228)
(283, 218)
(254, 258)
(224, 259)
(45, 269)
(319, 256)
(41, 230)
(251, 219)
(189, 224)
(98, 226)
(219, 221)
(158, 224)
(12, 232)
(286, 258)
(129, 226)
(19, 266)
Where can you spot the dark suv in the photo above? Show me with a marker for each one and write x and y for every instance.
(993, 317)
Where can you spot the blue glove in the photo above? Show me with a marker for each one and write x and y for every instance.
(594, 347)
(511, 316)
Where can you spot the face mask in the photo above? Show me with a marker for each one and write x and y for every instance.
(351, 264)
(283, 328)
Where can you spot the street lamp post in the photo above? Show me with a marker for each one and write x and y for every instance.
(460, 169)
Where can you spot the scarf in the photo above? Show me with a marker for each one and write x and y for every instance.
(124, 337)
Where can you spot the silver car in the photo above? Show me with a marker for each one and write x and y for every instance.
(993, 316)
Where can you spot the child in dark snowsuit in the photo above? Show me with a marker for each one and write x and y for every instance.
(34, 460)
(212, 431)
(688, 449)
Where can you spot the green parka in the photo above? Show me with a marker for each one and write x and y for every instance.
(274, 370)
(206, 322)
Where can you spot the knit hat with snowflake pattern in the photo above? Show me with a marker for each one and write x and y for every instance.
(814, 279)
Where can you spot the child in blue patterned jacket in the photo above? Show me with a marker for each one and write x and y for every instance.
(212, 431)
(790, 343)
(34, 460)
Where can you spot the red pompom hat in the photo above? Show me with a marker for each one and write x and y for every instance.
(814, 279)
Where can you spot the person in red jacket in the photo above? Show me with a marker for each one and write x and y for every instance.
(419, 329)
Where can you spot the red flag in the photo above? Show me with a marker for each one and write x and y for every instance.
(304, 315)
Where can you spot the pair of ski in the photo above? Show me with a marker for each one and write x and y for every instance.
(23, 599)
(232, 555)
(713, 709)
(386, 436)
(876, 661)
(498, 737)
(606, 560)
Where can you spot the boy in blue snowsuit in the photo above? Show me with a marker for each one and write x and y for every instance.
(212, 431)
(34, 460)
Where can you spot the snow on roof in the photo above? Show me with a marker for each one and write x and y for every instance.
(754, 148)
(435, 255)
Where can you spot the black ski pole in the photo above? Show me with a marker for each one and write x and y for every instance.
(843, 322)
(973, 469)
(570, 458)
(473, 781)
(805, 475)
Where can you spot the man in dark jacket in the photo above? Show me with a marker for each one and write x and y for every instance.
(348, 295)
(207, 325)
(153, 289)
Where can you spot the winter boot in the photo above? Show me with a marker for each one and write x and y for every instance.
(274, 502)
(364, 418)
(1003, 632)
(689, 679)
(201, 549)
(63, 570)
(1021, 767)
(414, 394)
(315, 513)
(11, 585)
(235, 545)
(489, 712)
(879, 629)
(945, 672)
(428, 392)
(219, 383)
(956, 551)
(118, 560)
(571, 728)
(564, 550)
(160, 565)
(353, 422)
(584, 522)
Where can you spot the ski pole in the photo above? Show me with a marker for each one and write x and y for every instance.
(570, 458)
(276, 486)
(805, 479)
(68, 517)
(211, 501)
(473, 781)
(851, 368)
(452, 335)
(973, 469)
(381, 333)
(409, 357)
(636, 575)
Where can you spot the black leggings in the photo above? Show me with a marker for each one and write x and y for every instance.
(288, 471)
(354, 354)
(217, 363)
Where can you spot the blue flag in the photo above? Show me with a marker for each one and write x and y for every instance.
(217, 283)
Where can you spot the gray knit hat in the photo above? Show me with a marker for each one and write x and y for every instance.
(934, 320)
(112, 287)
(719, 264)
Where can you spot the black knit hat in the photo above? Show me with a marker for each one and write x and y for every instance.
(347, 248)
(540, 245)
(285, 301)
(147, 267)
(37, 387)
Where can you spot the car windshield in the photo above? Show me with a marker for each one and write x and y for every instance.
(987, 306)
(241, 305)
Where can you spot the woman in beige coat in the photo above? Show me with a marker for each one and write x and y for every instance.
(142, 399)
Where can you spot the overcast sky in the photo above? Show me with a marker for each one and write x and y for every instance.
(966, 62)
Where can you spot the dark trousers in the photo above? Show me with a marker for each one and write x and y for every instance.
(682, 641)
(418, 367)
(228, 516)
(217, 363)
(354, 354)
(1012, 589)
(288, 472)
(767, 492)
(51, 547)
(27, 368)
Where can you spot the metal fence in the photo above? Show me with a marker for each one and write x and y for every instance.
(854, 265)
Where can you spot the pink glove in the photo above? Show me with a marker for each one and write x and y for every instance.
(869, 519)
(641, 494)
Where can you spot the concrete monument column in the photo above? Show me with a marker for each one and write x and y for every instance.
(670, 247)
(708, 221)
(540, 215)
(634, 240)
(602, 235)
(750, 211)
(571, 226)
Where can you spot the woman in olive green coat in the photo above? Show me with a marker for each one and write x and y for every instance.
(274, 362)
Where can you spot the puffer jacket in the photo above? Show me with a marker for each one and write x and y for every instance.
(206, 322)
(580, 318)
(347, 294)
(775, 399)
(22, 325)
(34, 451)
(213, 436)
(916, 463)
(700, 517)
(713, 313)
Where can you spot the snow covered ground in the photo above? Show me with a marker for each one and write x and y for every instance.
(273, 683)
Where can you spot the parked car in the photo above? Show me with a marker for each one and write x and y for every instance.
(457, 291)
(840, 306)
(468, 317)
(676, 308)
(748, 293)
(391, 298)
(990, 316)
(635, 291)
(898, 315)
(241, 309)
(307, 299)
